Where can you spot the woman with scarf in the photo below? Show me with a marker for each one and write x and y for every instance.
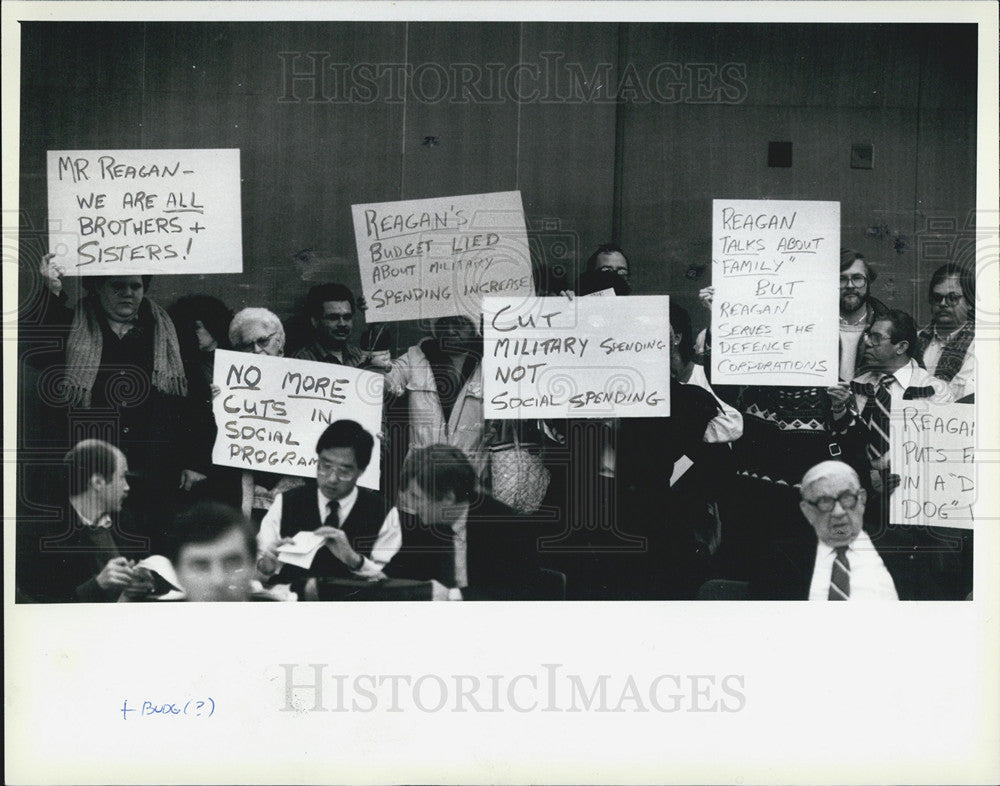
(121, 379)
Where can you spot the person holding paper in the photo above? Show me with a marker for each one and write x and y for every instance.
(946, 343)
(123, 372)
(259, 331)
(337, 520)
(83, 559)
(893, 376)
(837, 561)
(443, 378)
(442, 530)
(330, 309)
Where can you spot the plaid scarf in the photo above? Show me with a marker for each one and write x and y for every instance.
(85, 346)
(955, 349)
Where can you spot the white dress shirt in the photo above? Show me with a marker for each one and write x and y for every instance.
(869, 578)
(270, 526)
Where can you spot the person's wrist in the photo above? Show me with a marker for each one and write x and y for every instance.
(359, 563)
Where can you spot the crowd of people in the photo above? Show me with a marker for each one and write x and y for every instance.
(761, 492)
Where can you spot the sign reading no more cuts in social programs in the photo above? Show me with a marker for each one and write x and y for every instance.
(271, 411)
(133, 212)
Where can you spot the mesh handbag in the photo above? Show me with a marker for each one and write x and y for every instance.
(519, 476)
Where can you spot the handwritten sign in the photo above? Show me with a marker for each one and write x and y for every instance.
(775, 266)
(130, 212)
(429, 258)
(933, 450)
(586, 358)
(271, 411)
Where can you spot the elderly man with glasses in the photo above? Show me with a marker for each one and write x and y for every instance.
(836, 560)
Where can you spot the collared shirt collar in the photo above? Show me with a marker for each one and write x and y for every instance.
(936, 334)
(346, 504)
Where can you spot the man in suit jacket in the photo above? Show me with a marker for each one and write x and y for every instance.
(472, 547)
(837, 560)
(83, 557)
(348, 518)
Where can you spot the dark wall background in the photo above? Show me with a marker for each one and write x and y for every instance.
(643, 172)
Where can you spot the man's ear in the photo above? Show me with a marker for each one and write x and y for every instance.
(862, 497)
(97, 482)
(314, 322)
(903, 347)
(804, 506)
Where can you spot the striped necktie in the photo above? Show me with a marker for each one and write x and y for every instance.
(876, 416)
(840, 577)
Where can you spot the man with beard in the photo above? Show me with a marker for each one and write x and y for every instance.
(858, 309)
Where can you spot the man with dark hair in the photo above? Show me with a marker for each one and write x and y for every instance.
(82, 559)
(893, 376)
(858, 309)
(332, 507)
(212, 549)
(946, 343)
(442, 530)
(330, 309)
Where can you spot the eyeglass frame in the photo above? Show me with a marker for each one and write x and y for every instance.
(951, 298)
(853, 280)
(260, 343)
(623, 272)
(338, 472)
(827, 504)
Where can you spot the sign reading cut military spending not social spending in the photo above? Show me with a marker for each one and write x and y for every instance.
(775, 267)
(427, 258)
(271, 411)
(134, 212)
(552, 357)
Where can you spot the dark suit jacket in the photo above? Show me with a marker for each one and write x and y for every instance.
(501, 553)
(59, 563)
(921, 570)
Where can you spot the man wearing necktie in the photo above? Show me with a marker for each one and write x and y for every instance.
(839, 561)
(348, 518)
(891, 375)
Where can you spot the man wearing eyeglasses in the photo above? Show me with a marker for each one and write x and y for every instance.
(346, 517)
(892, 376)
(839, 562)
(858, 309)
(946, 344)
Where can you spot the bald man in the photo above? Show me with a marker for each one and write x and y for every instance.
(834, 561)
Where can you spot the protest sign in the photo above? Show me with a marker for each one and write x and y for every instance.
(271, 411)
(584, 358)
(775, 267)
(427, 258)
(933, 450)
(131, 212)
